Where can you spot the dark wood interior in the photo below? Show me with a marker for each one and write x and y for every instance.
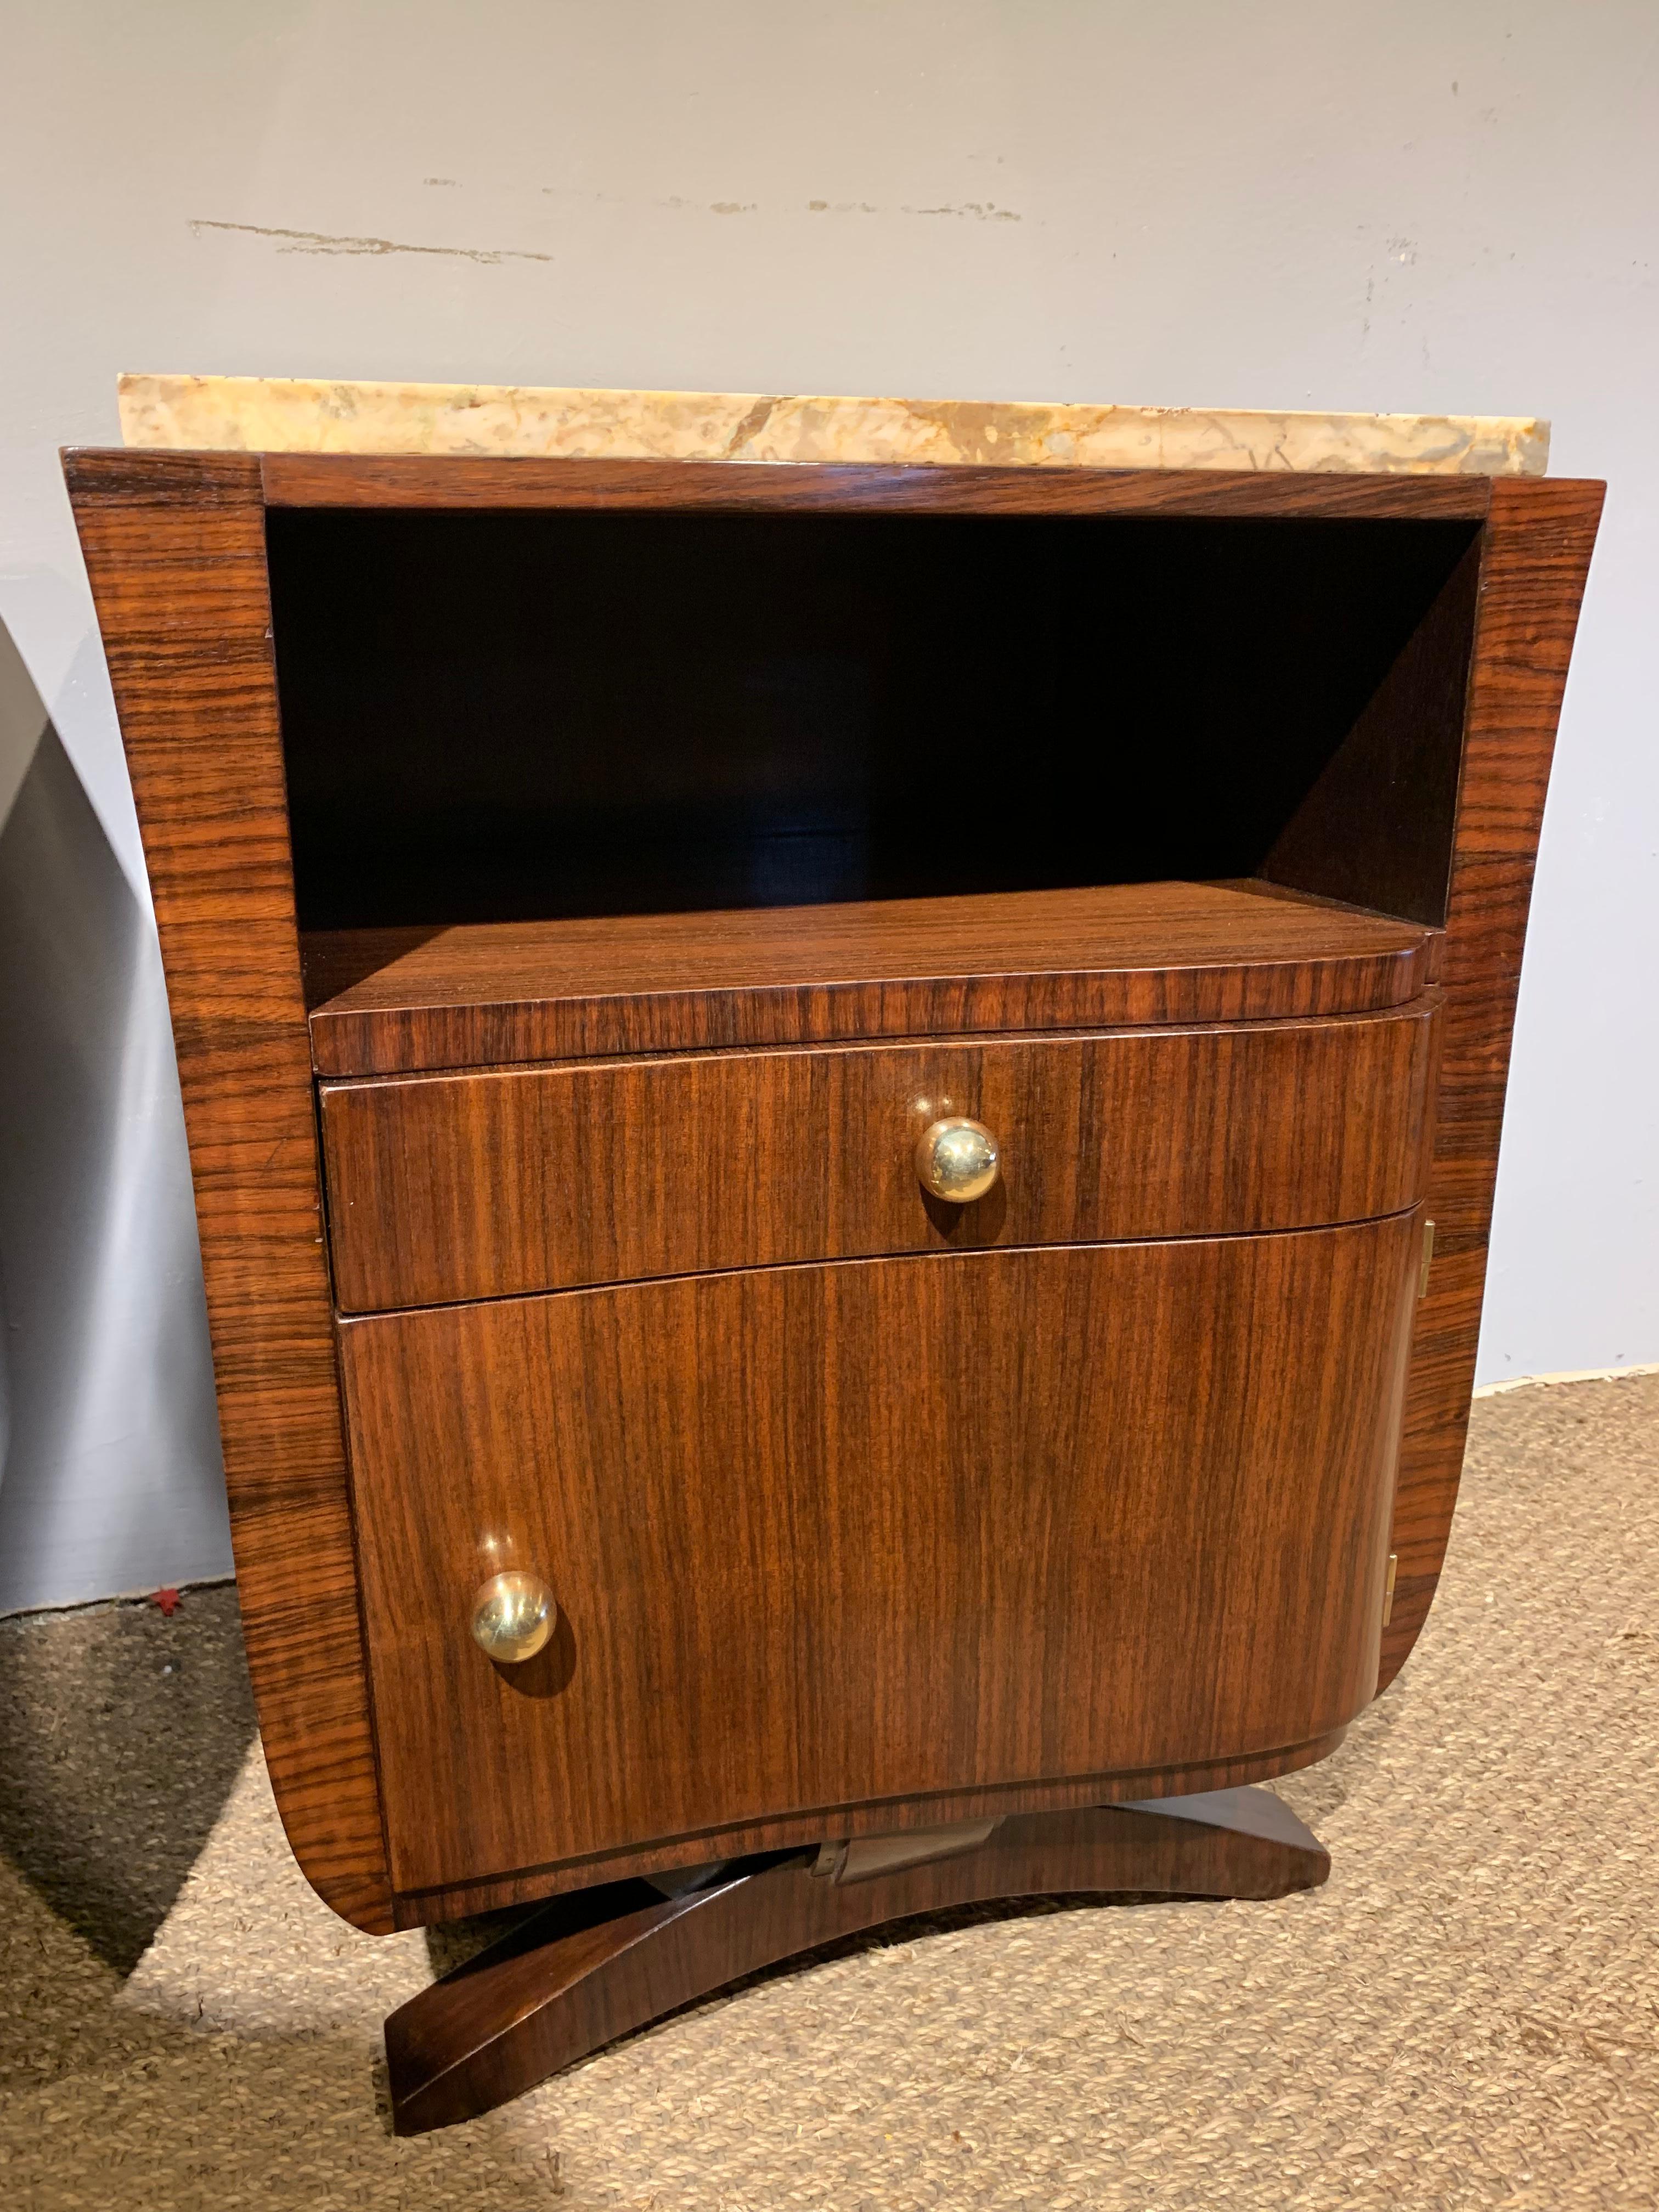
(497, 715)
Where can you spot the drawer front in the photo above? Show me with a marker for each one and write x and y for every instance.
(828, 1535)
(448, 1187)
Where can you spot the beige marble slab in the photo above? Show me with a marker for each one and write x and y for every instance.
(296, 414)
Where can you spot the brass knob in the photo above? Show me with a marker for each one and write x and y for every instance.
(513, 1616)
(957, 1160)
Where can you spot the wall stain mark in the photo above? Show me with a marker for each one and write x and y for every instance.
(963, 210)
(322, 241)
(981, 210)
(978, 210)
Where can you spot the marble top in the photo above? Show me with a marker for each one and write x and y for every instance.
(298, 415)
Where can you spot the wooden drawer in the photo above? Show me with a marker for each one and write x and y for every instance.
(447, 1188)
(824, 1536)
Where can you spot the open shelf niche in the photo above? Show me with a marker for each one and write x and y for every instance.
(497, 717)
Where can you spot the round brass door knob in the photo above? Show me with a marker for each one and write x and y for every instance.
(957, 1160)
(513, 1616)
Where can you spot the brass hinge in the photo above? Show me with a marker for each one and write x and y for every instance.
(1423, 1265)
(1388, 1588)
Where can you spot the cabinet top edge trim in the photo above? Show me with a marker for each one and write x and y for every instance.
(451, 481)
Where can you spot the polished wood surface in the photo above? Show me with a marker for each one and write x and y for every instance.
(1534, 565)
(449, 1187)
(321, 480)
(598, 1966)
(175, 546)
(779, 1598)
(175, 552)
(495, 993)
(422, 1908)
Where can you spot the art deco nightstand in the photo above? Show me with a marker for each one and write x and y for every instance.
(844, 1122)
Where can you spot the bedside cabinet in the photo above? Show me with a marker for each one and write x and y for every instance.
(843, 1123)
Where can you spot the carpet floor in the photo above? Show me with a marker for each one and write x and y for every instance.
(1467, 2017)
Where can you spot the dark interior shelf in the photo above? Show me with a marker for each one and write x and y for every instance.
(510, 716)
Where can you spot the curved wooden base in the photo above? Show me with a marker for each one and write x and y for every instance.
(602, 1962)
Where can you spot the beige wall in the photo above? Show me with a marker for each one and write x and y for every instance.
(1447, 209)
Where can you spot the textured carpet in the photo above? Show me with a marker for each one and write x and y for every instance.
(1467, 2017)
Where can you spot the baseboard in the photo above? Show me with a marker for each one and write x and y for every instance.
(1566, 1375)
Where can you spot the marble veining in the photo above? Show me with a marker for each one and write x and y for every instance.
(297, 415)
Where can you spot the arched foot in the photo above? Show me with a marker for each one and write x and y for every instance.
(603, 1962)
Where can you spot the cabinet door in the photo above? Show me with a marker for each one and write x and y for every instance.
(835, 1535)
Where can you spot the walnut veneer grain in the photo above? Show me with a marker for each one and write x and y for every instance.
(319, 480)
(595, 1966)
(499, 992)
(455, 1187)
(1534, 562)
(798, 1520)
(175, 551)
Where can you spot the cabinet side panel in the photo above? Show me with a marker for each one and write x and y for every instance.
(174, 548)
(1534, 562)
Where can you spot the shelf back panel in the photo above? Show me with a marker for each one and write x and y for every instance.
(495, 715)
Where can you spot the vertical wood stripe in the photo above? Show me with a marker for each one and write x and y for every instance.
(1535, 562)
(175, 552)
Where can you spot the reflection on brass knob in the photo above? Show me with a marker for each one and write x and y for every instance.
(513, 1616)
(957, 1160)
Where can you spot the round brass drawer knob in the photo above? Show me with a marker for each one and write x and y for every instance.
(957, 1160)
(513, 1616)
